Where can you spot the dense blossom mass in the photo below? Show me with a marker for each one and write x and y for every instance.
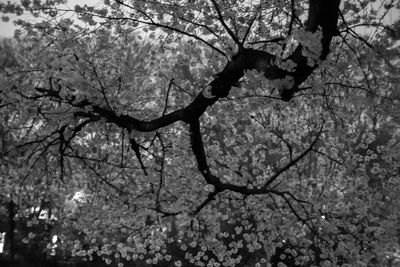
(204, 133)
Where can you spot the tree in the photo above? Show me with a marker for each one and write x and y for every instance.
(220, 129)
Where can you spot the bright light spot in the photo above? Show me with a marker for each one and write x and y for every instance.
(53, 245)
(79, 196)
(323, 217)
(2, 238)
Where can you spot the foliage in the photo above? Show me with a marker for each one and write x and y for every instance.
(207, 132)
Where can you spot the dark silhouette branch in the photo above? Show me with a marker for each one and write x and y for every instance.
(135, 147)
(201, 159)
(322, 15)
(151, 22)
(209, 198)
(221, 19)
(294, 161)
(248, 29)
(274, 40)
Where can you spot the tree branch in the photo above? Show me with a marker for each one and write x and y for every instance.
(209, 198)
(294, 161)
(321, 15)
(221, 19)
(135, 147)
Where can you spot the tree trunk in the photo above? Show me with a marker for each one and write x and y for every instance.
(10, 240)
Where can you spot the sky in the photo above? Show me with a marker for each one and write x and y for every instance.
(7, 28)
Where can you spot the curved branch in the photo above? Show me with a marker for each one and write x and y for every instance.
(295, 160)
(201, 159)
(322, 14)
(209, 198)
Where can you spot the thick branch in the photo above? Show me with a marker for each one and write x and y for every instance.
(201, 159)
(322, 14)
